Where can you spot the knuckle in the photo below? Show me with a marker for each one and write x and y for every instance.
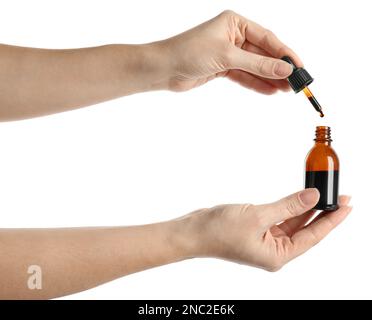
(274, 269)
(261, 65)
(267, 37)
(292, 206)
(219, 210)
(274, 266)
(283, 50)
(315, 238)
(227, 13)
(269, 34)
(265, 66)
(177, 86)
(328, 223)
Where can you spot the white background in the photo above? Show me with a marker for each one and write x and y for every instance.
(156, 156)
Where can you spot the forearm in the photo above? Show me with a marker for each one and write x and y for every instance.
(36, 82)
(72, 260)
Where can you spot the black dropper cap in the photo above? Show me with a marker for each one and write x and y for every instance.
(300, 78)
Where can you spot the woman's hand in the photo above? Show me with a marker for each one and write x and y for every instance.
(50, 81)
(232, 46)
(265, 236)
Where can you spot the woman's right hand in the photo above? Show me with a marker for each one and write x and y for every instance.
(227, 45)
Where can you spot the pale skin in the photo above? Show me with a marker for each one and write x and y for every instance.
(35, 82)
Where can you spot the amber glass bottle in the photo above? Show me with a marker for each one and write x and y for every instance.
(322, 170)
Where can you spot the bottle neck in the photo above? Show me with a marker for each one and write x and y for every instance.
(323, 135)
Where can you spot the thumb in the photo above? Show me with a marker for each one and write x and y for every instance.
(260, 65)
(291, 206)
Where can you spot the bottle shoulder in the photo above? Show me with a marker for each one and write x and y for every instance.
(322, 150)
(322, 157)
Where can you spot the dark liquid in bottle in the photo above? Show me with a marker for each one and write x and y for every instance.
(327, 184)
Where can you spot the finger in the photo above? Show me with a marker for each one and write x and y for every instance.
(278, 83)
(289, 207)
(342, 201)
(251, 82)
(248, 46)
(291, 226)
(268, 41)
(309, 236)
(259, 65)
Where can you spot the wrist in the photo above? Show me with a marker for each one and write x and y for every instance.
(189, 235)
(154, 64)
(185, 237)
(138, 68)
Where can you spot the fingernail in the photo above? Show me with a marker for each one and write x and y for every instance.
(309, 196)
(283, 69)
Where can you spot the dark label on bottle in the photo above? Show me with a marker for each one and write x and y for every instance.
(327, 184)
